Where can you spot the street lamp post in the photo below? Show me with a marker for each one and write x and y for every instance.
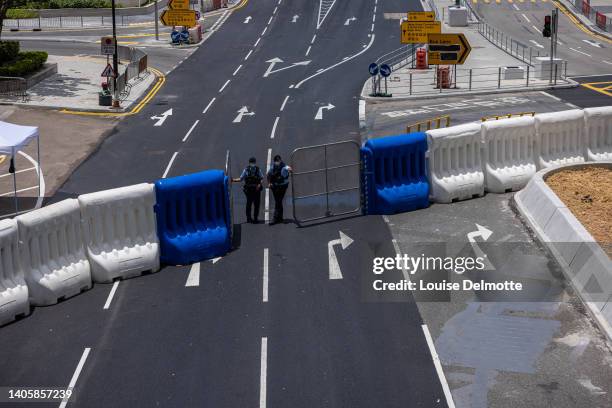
(115, 60)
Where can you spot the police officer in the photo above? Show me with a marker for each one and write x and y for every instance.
(252, 178)
(278, 180)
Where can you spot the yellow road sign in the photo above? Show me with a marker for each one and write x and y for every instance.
(185, 18)
(416, 32)
(447, 49)
(178, 4)
(421, 16)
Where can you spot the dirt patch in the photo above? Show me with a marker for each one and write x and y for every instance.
(587, 192)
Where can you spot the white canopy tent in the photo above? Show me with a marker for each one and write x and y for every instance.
(14, 138)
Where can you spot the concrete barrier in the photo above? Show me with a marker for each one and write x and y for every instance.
(120, 233)
(560, 138)
(455, 163)
(582, 260)
(13, 290)
(598, 129)
(52, 252)
(509, 159)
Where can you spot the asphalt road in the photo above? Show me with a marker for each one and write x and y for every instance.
(313, 341)
(524, 21)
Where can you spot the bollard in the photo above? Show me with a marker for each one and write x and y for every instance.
(555, 74)
(527, 76)
(530, 50)
(411, 83)
(470, 79)
(498, 77)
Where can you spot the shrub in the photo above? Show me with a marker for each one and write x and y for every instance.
(25, 64)
(8, 51)
(21, 13)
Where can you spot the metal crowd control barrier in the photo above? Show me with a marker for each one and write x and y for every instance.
(437, 120)
(326, 181)
(13, 86)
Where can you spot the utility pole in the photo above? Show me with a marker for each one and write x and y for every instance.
(115, 60)
(553, 41)
(156, 22)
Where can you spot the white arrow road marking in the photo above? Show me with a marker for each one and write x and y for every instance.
(537, 44)
(580, 52)
(277, 60)
(194, 275)
(248, 20)
(593, 43)
(244, 111)
(162, 118)
(484, 233)
(295, 18)
(334, 267)
(319, 115)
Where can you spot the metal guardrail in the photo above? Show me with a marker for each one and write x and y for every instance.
(506, 116)
(508, 44)
(67, 22)
(478, 79)
(439, 120)
(14, 86)
(593, 14)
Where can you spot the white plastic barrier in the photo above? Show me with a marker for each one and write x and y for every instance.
(52, 252)
(455, 164)
(598, 128)
(560, 138)
(508, 153)
(120, 232)
(13, 290)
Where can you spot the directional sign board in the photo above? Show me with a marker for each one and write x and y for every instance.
(178, 4)
(185, 18)
(107, 45)
(373, 69)
(416, 32)
(447, 49)
(421, 16)
(385, 70)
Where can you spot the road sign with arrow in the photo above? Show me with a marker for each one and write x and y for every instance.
(373, 69)
(447, 49)
(416, 32)
(185, 18)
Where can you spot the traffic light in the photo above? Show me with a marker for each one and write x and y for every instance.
(546, 31)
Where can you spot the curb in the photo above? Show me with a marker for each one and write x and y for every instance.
(567, 240)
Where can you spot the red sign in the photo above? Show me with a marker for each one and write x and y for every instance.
(600, 19)
(586, 8)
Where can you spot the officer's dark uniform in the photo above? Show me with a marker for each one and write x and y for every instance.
(278, 178)
(252, 177)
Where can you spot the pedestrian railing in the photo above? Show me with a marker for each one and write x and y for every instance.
(508, 44)
(13, 86)
(39, 23)
(136, 67)
(474, 79)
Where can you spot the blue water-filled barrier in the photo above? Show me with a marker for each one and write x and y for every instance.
(193, 217)
(394, 174)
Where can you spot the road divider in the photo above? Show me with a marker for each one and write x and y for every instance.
(120, 233)
(560, 138)
(14, 299)
(598, 128)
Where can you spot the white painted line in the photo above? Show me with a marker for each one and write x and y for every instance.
(191, 130)
(275, 10)
(257, 42)
(263, 373)
(169, 165)
(373, 18)
(274, 127)
(372, 29)
(17, 172)
(109, 299)
(438, 365)
(515, 7)
(224, 85)
(606, 62)
(265, 276)
(526, 18)
(550, 96)
(571, 105)
(76, 374)
(237, 69)
(209, 104)
(264, 31)
(314, 37)
(308, 50)
(536, 28)
(580, 52)
(10, 193)
(248, 55)
(193, 279)
(284, 103)
(537, 44)
(338, 63)
(270, 20)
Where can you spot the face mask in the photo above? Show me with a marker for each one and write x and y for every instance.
(251, 165)
(277, 163)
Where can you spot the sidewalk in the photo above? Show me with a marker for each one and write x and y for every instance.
(483, 71)
(603, 6)
(76, 86)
